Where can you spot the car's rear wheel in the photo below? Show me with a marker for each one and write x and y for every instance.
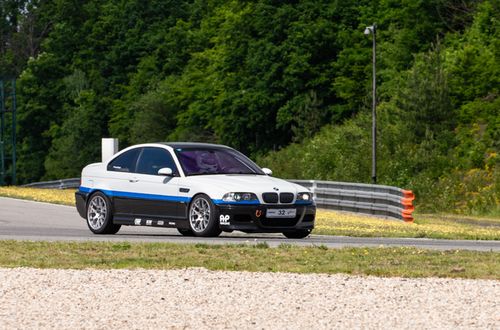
(298, 233)
(202, 217)
(100, 215)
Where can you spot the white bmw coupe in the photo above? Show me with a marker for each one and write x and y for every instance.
(200, 189)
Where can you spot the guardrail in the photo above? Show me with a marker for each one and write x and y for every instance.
(56, 184)
(373, 199)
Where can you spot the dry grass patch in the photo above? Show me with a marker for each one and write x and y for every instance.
(429, 226)
(55, 196)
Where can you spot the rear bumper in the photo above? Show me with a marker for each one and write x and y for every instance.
(81, 203)
(252, 218)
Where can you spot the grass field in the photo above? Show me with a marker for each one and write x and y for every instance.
(387, 262)
(337, 223)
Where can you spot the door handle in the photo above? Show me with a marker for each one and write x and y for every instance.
(134, 180)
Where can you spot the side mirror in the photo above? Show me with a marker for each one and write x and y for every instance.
(166, 171)
(267, 171)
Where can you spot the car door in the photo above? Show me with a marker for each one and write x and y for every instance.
(159, 194)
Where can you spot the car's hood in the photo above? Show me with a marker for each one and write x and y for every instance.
(244, 183)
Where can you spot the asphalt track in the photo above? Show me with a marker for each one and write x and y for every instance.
(33, 221)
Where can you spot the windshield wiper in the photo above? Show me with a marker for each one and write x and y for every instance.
(202, 173)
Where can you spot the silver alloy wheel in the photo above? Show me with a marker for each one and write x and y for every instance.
(199, 215)
(96, 213)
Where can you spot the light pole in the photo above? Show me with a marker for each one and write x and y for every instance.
(373, 30)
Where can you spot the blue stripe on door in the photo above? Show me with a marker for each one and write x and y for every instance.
(124, 194)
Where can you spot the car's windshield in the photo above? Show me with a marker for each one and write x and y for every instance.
(198, 161)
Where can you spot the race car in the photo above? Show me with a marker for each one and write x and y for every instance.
(201, 189)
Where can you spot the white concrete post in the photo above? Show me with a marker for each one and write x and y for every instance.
(109, 148)
(313, 189)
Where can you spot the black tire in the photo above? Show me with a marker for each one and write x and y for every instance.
(202, 217)
(100, 215)
(185, 232)
(298, 233)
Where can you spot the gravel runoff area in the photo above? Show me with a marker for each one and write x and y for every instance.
(196, 298)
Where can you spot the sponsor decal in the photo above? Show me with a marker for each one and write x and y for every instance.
(137, 222)
(258, 213)
(224, 219)
(171, 223)
(149, 222)
(160, 223)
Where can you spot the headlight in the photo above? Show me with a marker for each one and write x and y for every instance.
(239, 197)
(304, 196)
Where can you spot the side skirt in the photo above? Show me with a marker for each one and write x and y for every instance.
(150, 221)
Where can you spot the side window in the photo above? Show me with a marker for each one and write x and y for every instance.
(153, 159)
(125, 162)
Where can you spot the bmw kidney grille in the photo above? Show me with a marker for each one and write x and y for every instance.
(273, 198)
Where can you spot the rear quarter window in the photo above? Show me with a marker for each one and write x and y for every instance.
(126, 162)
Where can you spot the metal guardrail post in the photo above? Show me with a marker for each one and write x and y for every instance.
(380, 200)
(56, 184)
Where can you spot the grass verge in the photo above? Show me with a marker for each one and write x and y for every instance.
(425, 226)
(336, 223)
(387, 262)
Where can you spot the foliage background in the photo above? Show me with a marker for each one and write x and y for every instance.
(287, 82)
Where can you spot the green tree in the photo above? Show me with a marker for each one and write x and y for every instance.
(77, 141)
(39, 107)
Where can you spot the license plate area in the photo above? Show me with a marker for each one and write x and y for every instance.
(281, 213)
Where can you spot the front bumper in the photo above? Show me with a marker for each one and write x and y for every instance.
(252, 218)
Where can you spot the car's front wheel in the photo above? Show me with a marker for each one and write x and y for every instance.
(202, 217)
(299, 233)
(100, 216)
